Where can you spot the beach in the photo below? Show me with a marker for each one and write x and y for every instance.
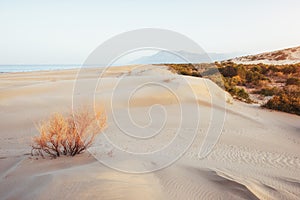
(256, 155)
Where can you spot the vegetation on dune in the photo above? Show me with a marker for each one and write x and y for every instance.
(67, 135)
(268, 91)
(281, 82)
(185, 69)
(237, 92)
(285, 101)
(293, 81)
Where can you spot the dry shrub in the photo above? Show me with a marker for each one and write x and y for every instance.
(68, 135)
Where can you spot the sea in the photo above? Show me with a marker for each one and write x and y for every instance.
(30, 68)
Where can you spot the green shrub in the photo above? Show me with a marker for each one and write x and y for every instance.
(241, 71)
(289, 69)
(285, 102)
(236, 92)
(254, 78)
(240, 94)
(228, 71)
(267, 91)
(184, 69)
(293, 81)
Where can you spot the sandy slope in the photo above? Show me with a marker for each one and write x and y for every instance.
(280, 57)
(256, 157)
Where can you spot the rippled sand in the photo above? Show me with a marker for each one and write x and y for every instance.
(256, 157)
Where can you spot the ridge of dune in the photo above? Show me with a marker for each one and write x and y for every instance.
(279, 57)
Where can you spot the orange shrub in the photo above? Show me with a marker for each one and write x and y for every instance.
(68, 135)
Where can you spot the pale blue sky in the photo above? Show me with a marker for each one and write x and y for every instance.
(37, 31)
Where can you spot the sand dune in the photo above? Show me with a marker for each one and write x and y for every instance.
(256, 157)
(279, 57)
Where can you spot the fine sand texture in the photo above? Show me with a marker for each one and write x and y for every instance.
(256, 155)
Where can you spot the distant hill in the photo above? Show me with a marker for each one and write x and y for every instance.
(280, 57)
(163, 57)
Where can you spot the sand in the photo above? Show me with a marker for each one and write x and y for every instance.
(280, 57)
(256, 157)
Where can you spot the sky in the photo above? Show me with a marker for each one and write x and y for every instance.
(66, 32)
